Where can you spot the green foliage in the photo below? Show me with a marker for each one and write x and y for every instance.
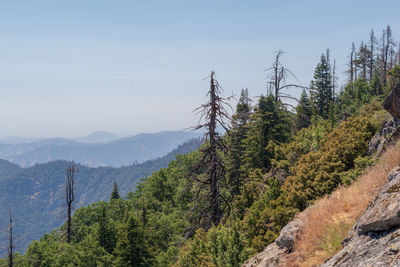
(131, 247)
(273, 172)
(269, 123)
(235, 142)
(220, 246)
(267, 216)
(305, 141)
(106, 232)
(355, 95)
(320, 172)
(322, 88)
(38, 190)
(303, 112)
(376, 85)
(114, 193)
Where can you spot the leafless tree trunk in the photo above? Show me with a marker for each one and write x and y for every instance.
(10, 241)
(69, 197)
(351, 63)
(277, 78)
(214, 113)
(372, 42)
(387, 43)
(334, 79)
(364, 60)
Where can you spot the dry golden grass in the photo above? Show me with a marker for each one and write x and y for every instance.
(328, 221)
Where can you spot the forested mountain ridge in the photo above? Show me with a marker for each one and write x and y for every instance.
(223, 203)
(36, 195)
(123, 151)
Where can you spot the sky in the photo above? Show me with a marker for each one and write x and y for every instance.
(69, 68)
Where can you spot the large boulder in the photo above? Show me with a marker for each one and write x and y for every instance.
(392, 102)
(388, 134)
(276, 253)
(272, 256)
(375, 238)
(288, 234)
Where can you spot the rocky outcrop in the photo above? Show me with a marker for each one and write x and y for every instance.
(289, 234)
(375, 238)
(392, 102)
(271, 256)
(389, 133)
(275, 254)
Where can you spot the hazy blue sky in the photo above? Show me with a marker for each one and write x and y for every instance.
(67, 69)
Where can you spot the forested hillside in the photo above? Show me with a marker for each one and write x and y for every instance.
(36, 194)
(226, 201)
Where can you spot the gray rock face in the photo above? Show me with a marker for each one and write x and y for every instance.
(392, 102)
(272, 256)
(393, 173)
(389, 132)
(383, 214)
(275, 254)
(375, 238)
(288, 234)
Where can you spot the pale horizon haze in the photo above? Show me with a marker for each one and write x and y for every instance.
(71, 68)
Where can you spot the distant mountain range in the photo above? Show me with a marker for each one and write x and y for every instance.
(95, 137)
(36, 194)
(97, 149)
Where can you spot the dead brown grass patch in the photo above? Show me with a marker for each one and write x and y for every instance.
(328, 221)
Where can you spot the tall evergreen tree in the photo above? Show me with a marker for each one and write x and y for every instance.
(269, 123)
(376, 85)
(132, 247)
(107, 237)
(235, 143)
(303, 112)
(114, 193)
(322, 88)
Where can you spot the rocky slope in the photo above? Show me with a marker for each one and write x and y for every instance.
(375, 238)
(276, 253)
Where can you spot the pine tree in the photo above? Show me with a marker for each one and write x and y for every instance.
(376, 85)
(322, 88)
(106, 236)
(235, 144)
(303, 112)
(131, 247)
(114, 193)
(269, 123)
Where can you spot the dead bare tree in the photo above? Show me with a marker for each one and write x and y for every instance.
(371, 59)
(351, 70)
(69, 197)
(386, 46)
(213, 113)
(334, 79)
(277, 76)
(10, 241)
